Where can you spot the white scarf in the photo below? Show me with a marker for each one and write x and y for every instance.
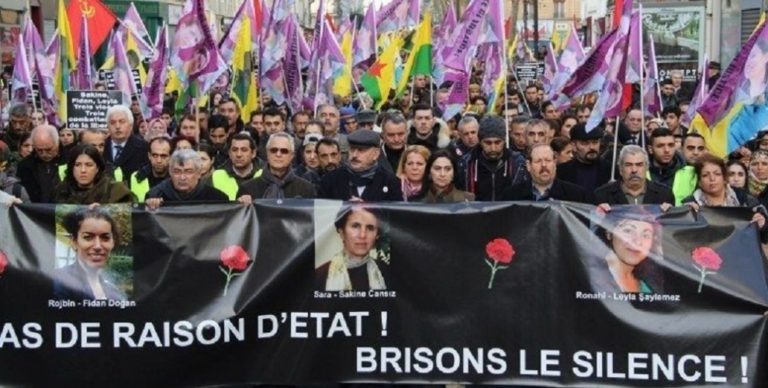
(338, 276)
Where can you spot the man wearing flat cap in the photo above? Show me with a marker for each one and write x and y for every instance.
(361, 178)
(492, 167)
(586, 169)
(366, 119)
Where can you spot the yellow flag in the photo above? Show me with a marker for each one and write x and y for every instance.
(342, 85)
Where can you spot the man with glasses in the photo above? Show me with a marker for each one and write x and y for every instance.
(184, 184)
(277, 180)
(39, 172)
(362, 178)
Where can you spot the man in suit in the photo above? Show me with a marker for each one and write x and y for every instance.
(634, 188)
(543, 185)
(123, 149)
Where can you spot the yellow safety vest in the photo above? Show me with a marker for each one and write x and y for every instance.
(228, 184)
(139, 188)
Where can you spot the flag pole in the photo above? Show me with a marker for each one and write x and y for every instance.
(642, 80)
(615, 148)
(431, 98)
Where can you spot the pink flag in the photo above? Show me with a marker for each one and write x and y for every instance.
(398, 14)
(464, 40)
(155, 86)
(494, 66)
(635, 49)
(699, 95)
(292, 65)
(458, 94)
(193, 49)
(133, 24)
(550, 69)
(227, 43)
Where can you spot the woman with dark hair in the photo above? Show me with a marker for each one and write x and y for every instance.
(440, 180)
(67, 141)
(633, 238)
(359, 265)
(180, 142)
(86, 182)
(207, 156)
(713, 190)
(737, 174)
(563, 149)
(93, 235)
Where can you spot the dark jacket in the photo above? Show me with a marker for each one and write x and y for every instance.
(104, 191)
(655, 194)
(451, 195)
(202, 193)
(487, 179)
(666, 174)
(70, 283)
(336, 184)
(560, 190)
(39, 178)
(587, 176)
(293, 186)
(133, 156)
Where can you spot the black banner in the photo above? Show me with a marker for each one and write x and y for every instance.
(528, 72)
(108, 77)
(88, 108)
(309, 292)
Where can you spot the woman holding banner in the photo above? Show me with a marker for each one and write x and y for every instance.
(86, 181)
(93, 235)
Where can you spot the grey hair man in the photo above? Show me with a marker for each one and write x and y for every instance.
(184, 184)
(39, 172)
(124, 149)
(634, 188)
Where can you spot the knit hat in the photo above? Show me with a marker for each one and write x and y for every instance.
(492, 126)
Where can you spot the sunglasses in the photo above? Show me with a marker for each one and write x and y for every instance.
(282, 151)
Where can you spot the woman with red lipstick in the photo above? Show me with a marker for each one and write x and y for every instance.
(86, 183)
(93, 234)
(713, 190)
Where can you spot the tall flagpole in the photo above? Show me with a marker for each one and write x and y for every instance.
(642, 80)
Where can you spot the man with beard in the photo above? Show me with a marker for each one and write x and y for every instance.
(633, 188)
(666, 161)
(586, 169)
(543, 185)
(277, 180)
(362, 178)
(229, 109)
(394, 130)
(685, 180)
(329, 115)
(19, 123)
(489, 169)
(217, 136)
(329, 159)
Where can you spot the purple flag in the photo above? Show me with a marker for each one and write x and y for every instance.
(699, 95)
(329, 65)
(591, 73)
(493, 67)
(570, 58)
(365, 42)
(21, 83)
(458, 94)
(634, 61)
(193, 49)
(292, 66)
(122, 71)
(304, 50)
(155, 86)
(550, 69)
(445, 28)
(651, 97)
(133, 24)
(742, 80)
(610, 100)
(464, 40)
(227, 42)
(398, 14)
(83, 72)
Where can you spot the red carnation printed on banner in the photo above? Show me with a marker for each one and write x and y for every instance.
(3, 262)
(499, 251)
(234, 260)
(707, 261)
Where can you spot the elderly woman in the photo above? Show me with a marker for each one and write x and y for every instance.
(411, 170)
(86, 181)
(156, 128)
(713, 190)
(93, 235)
(357, 266)
(758, 173)
(440, 182)
(633, 239)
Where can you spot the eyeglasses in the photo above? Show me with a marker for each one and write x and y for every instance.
(282, 151)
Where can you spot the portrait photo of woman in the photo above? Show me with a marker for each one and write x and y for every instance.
(629, 260)
(93, 235)
(361, 258)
